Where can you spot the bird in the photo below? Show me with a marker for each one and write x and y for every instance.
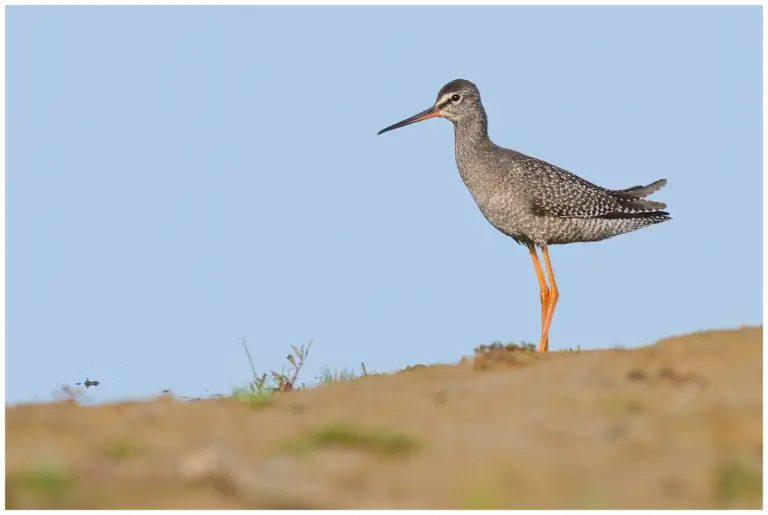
(534, 202)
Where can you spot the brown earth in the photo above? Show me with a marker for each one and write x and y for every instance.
(674, 425)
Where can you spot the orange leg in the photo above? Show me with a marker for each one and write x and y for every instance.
(554, 295)
(544, 293)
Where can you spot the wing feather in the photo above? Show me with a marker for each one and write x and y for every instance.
(554, 191)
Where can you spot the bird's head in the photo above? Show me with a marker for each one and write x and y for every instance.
(455, 101)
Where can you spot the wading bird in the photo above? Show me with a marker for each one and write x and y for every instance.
(532, 201)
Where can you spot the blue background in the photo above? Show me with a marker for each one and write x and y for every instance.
(181, 178)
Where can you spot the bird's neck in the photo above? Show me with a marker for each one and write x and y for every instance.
(473, 152)
(471, 136)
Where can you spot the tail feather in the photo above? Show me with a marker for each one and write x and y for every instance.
(640, 192)
(659, 216)
(634, 204)
(644, 205)
(633, 198)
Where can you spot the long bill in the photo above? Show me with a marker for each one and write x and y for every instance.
(432, 112)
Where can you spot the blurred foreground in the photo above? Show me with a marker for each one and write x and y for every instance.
(674, 425)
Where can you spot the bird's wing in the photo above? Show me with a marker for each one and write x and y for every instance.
(553, 191)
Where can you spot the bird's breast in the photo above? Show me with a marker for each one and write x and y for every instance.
(500, 202)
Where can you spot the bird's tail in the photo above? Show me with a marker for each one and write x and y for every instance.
(634, 197)
(638, 192)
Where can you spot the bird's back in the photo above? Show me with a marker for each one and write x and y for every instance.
(537, 202)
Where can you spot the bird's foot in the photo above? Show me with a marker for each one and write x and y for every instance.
(544, 344)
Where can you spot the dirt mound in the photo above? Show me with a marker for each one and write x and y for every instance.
(674, 425)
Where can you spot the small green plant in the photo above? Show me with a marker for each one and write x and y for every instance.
(330, 376)
(379, 441)
(121, 451)
(255, 398)
(264, 385)
(46, 484)
(286, 382)
(737, 485)
(259, 384)
(260, 390)
(498, 345)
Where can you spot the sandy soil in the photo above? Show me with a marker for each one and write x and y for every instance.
(674, 425)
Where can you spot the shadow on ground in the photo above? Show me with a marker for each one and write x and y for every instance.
(674, 425)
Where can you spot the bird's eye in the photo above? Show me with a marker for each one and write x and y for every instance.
(456, 97)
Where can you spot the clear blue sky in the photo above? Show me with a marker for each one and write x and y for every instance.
(179, 179)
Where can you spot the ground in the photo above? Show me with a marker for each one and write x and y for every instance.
(674, 425)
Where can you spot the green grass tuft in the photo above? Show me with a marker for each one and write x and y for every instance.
(275, 382)
(121, 451)
(498, 345)
(46, 484)
(738, 485)
(330, 376)
(262, 387)
(255, 398)
(378, 441)
(46, 480)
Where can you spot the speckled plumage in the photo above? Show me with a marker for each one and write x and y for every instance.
(532, 201)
